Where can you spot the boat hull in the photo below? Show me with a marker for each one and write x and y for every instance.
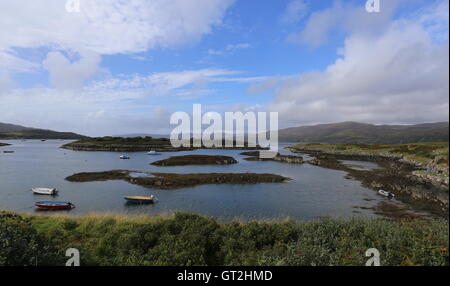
(43, 191)
(140, 200)
(54, 205)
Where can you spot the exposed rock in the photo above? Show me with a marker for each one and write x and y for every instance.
(397, 176)
(257, 156)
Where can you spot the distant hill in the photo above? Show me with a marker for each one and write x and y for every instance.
(354, 132)
(11, 131)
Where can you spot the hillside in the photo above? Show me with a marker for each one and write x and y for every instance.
(353, 132)
(11, 131)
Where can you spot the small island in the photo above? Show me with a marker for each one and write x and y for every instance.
(176, 181)
(139, 144)
(196, 160)
(3, 144)
(256, 156)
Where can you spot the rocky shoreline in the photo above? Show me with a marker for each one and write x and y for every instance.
(195, 160)
(395, 175)
(256, 156)
(176, 181)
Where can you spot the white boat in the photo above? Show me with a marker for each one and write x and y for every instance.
(386, 194)
(153, 153)
(123, 157)
(45, 191)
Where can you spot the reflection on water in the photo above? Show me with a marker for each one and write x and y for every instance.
(313, 192)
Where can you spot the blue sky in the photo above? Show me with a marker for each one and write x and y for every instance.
(124, 67)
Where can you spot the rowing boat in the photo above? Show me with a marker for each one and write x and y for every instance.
(50, 205)
(386, 194)
(44, 191)
(140, 199)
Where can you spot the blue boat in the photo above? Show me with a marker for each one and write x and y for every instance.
(51, 205)
(123, 157)
(140, 199)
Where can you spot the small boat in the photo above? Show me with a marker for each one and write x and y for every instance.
(50, 205)
(153, 152)
(386, 194)
(43, 140)
(140, 199)
(8, 152)
(45, 191)
(123, 157)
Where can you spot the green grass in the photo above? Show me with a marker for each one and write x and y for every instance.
(187, 239)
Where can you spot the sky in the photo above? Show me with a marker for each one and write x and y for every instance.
(110, 67)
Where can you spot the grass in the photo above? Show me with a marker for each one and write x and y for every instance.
(186, 239)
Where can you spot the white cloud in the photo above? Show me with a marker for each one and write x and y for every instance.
(103, 27)
(344, 17)
(124, 104)
(108, 26)
(399, 75)
(231, 48)
(66, 74)
(295, 11)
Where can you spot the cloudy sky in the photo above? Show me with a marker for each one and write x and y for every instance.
(118, 66)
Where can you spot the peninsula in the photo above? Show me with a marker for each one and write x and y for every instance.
(416, 173)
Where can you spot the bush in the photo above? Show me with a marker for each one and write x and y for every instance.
(21, 245)
(188, 239)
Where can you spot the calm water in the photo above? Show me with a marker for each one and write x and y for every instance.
(313, 192)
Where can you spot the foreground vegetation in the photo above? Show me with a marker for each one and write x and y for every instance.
(188, 239)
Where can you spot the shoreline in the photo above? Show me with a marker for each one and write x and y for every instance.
(396, 175)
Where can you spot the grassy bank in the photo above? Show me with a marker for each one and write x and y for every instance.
(418, 152)
(187, 239)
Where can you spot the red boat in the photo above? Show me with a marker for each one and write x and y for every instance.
(50, 205)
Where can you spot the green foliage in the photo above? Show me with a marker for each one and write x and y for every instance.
(21, 245)
(188, 239)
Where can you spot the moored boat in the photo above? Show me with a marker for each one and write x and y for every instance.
(153, 152)
(140, 199)
(44, 191)
(8, 152)
(50, 205)
(123, 157)
(386, 194)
